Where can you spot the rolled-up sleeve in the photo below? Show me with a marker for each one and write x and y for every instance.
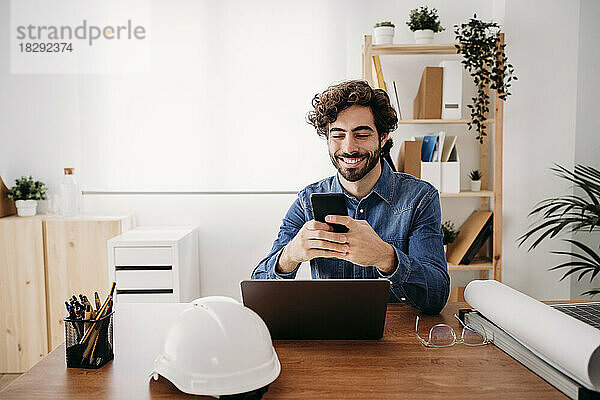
(292, 223)
(421, 277)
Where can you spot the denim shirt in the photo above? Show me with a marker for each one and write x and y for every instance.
(405, 212)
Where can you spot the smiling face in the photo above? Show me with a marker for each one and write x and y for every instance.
(353, 142)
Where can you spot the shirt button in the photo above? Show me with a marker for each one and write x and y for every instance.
(361, 210)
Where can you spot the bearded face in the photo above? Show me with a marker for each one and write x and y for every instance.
(353, 142)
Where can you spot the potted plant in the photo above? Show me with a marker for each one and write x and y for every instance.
(424, 23)
(26, 193)
(475, 176)
(450, 233)
(484, 58)
(383, 33)
(578, 212)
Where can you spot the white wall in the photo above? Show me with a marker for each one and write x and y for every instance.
(539, 130)
(587, 138)
(236, 231)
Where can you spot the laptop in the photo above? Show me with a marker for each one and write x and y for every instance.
(586, 312)
(319, 308)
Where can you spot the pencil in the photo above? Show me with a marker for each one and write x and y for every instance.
(104, 310)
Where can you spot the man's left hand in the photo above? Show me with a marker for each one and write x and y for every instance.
(366, 248)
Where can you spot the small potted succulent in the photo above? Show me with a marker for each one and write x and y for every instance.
(26, 194)
(475, 176)
(424, 23)
(450, 233)
(383, 33)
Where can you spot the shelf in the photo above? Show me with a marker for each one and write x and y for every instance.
(490, 153)
(434, 48)
(438, 121)
(477, 265)
(468, 193)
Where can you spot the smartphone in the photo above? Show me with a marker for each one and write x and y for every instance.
(324, 204)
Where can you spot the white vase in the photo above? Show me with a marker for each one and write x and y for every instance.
(26, 208)
(424, 36)
(383, 35)
(43, 207)
(475, 186)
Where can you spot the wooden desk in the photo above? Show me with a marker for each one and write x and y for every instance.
(397, 366)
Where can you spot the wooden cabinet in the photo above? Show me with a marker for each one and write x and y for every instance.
(23, 335)
(43, 261)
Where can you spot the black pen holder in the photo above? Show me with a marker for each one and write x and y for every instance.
(89, 343)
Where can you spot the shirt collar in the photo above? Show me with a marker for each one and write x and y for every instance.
(384, 186)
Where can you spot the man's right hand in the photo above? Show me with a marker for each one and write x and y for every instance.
(315, 239)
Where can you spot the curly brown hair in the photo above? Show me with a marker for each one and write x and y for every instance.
(338, 97)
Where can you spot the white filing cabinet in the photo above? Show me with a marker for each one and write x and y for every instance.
(155, 265)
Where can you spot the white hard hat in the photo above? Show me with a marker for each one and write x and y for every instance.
(218, 347)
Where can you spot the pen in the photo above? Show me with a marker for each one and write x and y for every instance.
(87, 316)
(104, 310)
(97, 299)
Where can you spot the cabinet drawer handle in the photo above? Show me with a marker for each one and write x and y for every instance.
(144, 268)
(143, 291)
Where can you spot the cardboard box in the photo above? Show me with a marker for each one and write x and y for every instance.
(428, 102)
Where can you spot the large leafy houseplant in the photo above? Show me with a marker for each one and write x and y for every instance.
(572, 213)
(484, 58)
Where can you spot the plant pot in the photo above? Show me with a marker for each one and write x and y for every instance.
(26, 208)
(383, 35)
(475, 186)
(424, 36)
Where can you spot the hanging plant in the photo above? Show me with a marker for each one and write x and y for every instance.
(485, 60)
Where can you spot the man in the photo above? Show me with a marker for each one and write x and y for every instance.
(394, 219)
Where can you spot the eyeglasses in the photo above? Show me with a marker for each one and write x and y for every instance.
(442, 335)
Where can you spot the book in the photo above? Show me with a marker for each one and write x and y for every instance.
(467, 235)
(428, 148)
(378, 73)
(397, 100)
(449, 143)
(437, 153)
(393, 100)
(484, 234)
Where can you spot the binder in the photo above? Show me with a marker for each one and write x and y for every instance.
(428, 148)
(428, 102)
(526, 357)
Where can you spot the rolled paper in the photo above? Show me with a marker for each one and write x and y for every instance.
(570, 345)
